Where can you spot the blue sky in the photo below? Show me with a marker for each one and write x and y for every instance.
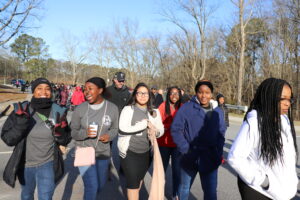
(79, 17)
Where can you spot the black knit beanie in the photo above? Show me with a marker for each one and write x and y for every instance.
(97, 81)
(38, 81)
(204, 82)
(220, 96)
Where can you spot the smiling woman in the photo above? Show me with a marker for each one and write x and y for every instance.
(198, 130)
(137, 121)
(94, 124)
(36, 129)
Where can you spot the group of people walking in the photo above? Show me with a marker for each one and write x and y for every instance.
(190, 134)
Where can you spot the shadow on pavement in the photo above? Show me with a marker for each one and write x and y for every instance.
(72, 173)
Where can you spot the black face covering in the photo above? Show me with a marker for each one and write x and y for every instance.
(42, 105)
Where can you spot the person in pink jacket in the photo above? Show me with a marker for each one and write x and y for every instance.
(77, 97)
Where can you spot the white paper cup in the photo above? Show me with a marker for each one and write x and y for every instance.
(93, 130)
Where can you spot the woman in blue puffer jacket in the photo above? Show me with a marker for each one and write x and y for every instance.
(198, 131)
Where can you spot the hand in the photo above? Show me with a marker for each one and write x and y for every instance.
(4, 111)
(91, 132)
(152, 130)
(104, 138)
(61, 124)
(22, 111)
(63, 149)
(150, 125)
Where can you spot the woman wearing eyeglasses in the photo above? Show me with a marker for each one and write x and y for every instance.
(134, 146)
(167, 147)
(264, 153)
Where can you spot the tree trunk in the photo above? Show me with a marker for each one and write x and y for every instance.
(242, 50)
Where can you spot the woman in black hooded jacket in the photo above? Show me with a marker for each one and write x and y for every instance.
(36, 129)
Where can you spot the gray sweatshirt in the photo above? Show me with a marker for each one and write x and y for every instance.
(139, 143)
(84, 115)
(39, 144)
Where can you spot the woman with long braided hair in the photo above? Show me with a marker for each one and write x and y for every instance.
(264, 153)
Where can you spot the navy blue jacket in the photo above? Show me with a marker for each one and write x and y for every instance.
(199, 136)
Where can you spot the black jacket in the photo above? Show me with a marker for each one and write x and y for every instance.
(14, 133)
(225, 110)
(157, 99)
(117, 96)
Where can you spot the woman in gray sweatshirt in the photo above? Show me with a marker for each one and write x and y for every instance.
(104, 115)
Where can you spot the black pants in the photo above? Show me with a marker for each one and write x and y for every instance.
(248, 193)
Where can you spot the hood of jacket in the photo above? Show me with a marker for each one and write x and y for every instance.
(78, 89)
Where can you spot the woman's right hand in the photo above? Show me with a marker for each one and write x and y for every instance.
(22, 112)
(91, 133)
(151, 126)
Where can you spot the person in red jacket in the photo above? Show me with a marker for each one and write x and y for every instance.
(77, 97)
(167, 147)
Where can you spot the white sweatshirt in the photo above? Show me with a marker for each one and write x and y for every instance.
(125, 126)
(244, 159)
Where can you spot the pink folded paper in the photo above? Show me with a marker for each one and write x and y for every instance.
(84, 156)
(157, 190)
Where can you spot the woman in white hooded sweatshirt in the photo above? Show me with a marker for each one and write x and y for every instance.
(264, 153)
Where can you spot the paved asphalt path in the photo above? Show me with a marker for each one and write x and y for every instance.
(71, 187)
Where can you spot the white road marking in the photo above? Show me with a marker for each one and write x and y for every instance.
(6, 152)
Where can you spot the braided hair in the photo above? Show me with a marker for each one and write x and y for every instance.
(267, 104)
(177, 104)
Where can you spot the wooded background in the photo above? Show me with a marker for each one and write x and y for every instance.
(263, 42)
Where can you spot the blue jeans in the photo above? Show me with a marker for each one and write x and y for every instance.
(166, 153)
(94, 178)
(208, 180)
(43, 177)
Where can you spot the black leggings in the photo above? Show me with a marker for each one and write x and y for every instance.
(248, 193)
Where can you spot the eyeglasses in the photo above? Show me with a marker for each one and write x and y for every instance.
(142, 94)
(285, 100)
(174, 93)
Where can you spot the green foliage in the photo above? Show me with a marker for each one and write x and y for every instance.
(257, 33)
(27, 47)
(36, 68)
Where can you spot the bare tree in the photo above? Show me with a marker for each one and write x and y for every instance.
(13, 16)
(125, 49)
(102, 53)
(294, 10)
(243, 21)
(194, 40)
(75, 53)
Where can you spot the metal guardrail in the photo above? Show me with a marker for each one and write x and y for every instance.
(235, 107)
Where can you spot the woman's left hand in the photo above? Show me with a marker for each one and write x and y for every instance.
(104, 138)
(63, 149)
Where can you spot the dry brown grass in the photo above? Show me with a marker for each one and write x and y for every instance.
(11, 94)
